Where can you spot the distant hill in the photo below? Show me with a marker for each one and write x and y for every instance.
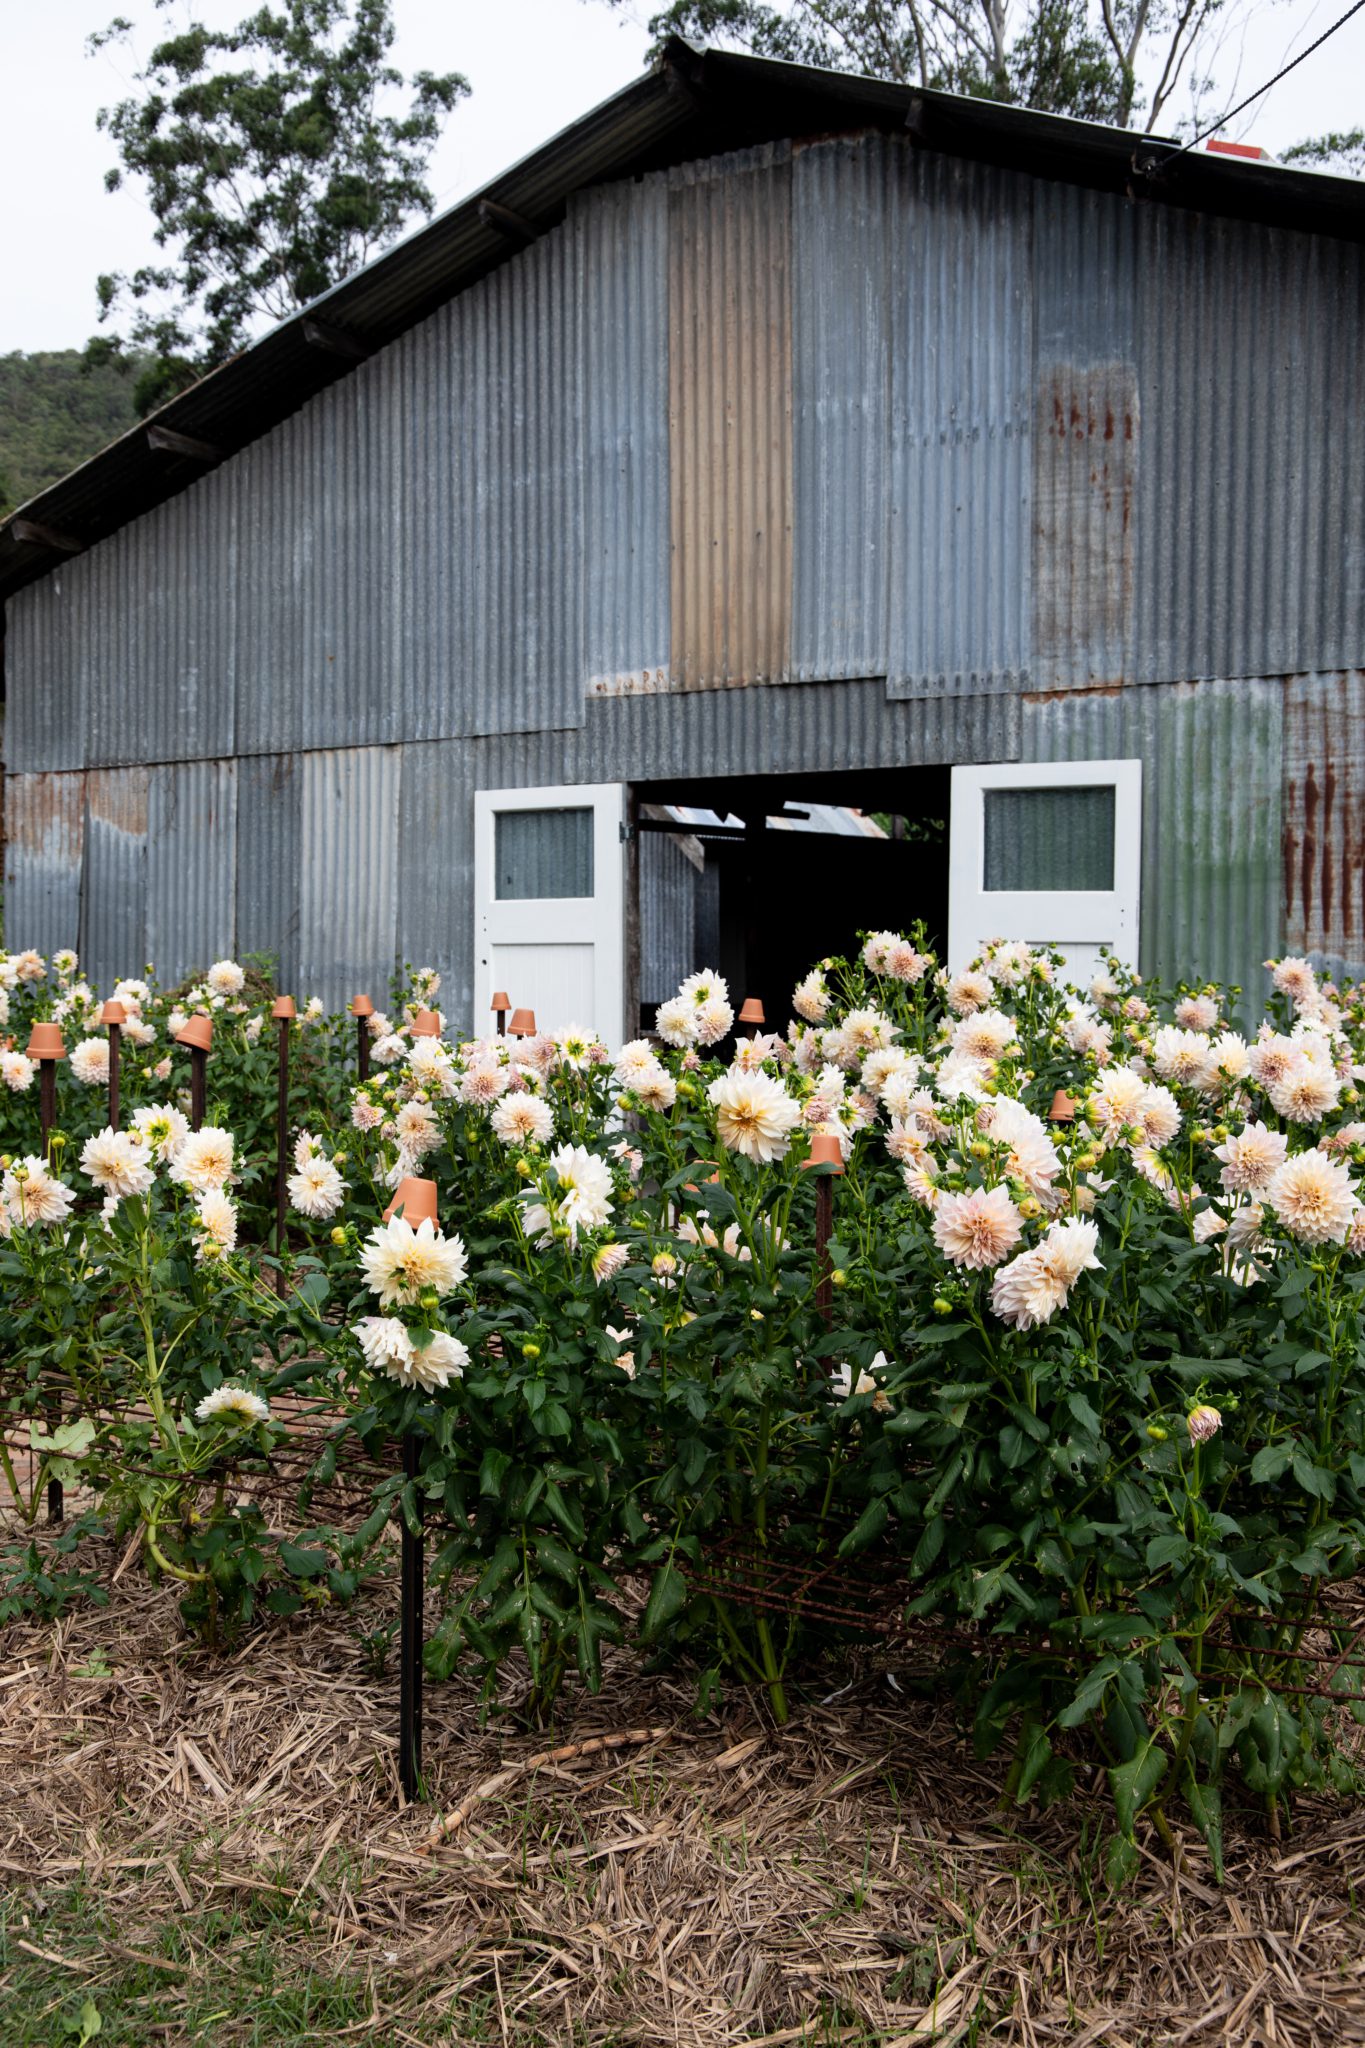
(53, 416)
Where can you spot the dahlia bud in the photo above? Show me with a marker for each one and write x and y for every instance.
(338, 1236)
(530, 1352)
(1157, 1433)
(942, 1307)
(1202, 1423)
(838, 1278)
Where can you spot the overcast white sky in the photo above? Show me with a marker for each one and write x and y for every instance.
(535, 65)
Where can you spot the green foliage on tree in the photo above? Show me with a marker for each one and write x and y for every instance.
(278, 156)
(1340, 150)
(54, 415)
(1121, 61)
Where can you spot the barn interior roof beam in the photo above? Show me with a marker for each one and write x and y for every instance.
(335, 341)
(170, 441)
(512, 226)
(30, 533)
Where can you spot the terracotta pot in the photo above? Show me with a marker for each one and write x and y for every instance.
(1063, 1107)
(751, 1011)
(113, 1013)
(283, 1007)
(361, 1006)
(417, 1200)
(825, 1150)
(45, 1043)
(198, 1032)
(522, 1024)
(426, 1024)
(501, 1001)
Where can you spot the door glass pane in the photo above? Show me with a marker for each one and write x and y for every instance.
(1050, 838)
(542, 853)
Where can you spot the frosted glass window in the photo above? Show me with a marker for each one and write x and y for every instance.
(542, 853)
(1050, 838)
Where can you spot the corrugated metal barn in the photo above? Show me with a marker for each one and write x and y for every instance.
(769, 440)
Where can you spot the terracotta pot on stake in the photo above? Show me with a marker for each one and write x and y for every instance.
(198, 1036)
(417, 1200)
(46, 1047)
(500, 1005)
(426, 1024)
(825, 1151)
(522, 1024)
(751, 1012)
(113, 1016)
(362, 1009)
(284, 1013)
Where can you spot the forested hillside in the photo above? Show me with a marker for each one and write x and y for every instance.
(52, 416)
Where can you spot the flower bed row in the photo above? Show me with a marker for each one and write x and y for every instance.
(1085, 1376)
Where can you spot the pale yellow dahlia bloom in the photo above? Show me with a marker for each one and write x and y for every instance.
(754, 1115)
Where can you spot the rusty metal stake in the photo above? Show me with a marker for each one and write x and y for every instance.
(824, 1231)
(410, 1631)
(115, 1038)
(282, 1138)
(199, 1082)
(47, 1098)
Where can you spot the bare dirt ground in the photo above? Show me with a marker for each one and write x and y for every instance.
(214, 1849)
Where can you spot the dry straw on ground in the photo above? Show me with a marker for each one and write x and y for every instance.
(848, 1878)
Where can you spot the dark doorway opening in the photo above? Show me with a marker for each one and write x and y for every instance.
(762, 876)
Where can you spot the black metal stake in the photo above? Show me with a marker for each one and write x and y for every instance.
(281, 1138)
(410, 1633)
(824, 1230)
(501, 1016)
(199, 1062)
(115, 1035)
(362, 1049)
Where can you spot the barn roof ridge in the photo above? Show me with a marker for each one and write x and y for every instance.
(693, 103)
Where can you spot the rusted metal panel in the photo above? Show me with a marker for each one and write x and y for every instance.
(1086, 449)
(114, 877)
(1210, 813)
(961, 421)
(730, 419)
(1324, 819)
(191, 865)
(44, 836)
(348, 886)
(622, 309)
(845, 223)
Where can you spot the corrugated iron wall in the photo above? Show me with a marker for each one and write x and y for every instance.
(938, 447)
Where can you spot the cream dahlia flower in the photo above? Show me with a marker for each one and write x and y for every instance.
(1251, 1158)
(754, 1115)
(117, 1162)
(811, 999)
(316, 1189)
(1203, 1422)
(226, 978)
(523, 1119)
(90, 1062)
(985, 1034)
(400, 1264)
(1032, 1287)
(968, 991)
(32, 1194)
(1314, 1198)
(215, 1225)
(233, 1404)
(204, 1160)
(1183, 1057)
(977, 1230)
(1196, 1013)
(676, 1022)
(17, 1071)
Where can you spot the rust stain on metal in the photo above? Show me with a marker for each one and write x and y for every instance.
(44, 816)
(730, 423)
(117, 797)
(1085, 488)
(1323, 844)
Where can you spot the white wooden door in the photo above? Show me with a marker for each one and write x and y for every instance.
(549, 867)
(1049, 852)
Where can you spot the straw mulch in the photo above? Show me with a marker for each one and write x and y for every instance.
(850, 1877)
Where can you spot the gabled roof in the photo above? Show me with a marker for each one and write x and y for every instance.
(692, 104)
